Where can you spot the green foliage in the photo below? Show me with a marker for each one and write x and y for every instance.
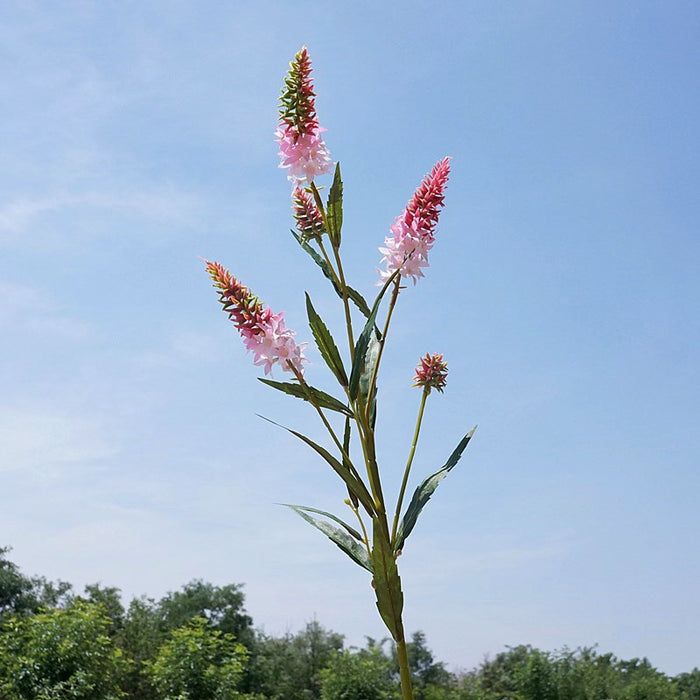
(60, 654)
(222, 607)
(289, 667)
(366, 675)
(20, 594)
(198, 663)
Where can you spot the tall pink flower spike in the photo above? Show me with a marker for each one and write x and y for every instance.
(413, 231)
(302, 149)
(264, 334)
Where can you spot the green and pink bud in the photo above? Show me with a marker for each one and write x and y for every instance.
(309, 221)
(431, 373)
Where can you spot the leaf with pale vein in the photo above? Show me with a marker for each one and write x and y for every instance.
(354, 550)
(425, 490)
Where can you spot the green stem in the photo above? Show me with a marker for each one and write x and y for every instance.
(404, 670)
(356, 510)
(411, 454)
(375, 372)
(338, 444)
(340, 281)
(346, 304)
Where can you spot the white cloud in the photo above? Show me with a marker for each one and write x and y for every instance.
(43, 443)
(159, 204)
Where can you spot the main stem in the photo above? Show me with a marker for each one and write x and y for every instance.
(404, 670)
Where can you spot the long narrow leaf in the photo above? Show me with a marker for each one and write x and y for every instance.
(346, 448)
(359, 301)
(354, 296)
(361, 348)
(325, 343)
(354, 550)
(334, 208)
(308, 509)
(321, 399)
(387, 584)
(426, 489)
(364, 339)
(341, 469)
(319, 261)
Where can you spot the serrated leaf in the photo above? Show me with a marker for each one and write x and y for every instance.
(425, 490)
(359, 301)
(387, 584)
(341, 469)
(354, 296)
(307, 392)
(352, 548)
(325, 343)
(319, 261)
(334, 208)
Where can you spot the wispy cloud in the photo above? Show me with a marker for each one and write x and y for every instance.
(42, 443)
(162, 205)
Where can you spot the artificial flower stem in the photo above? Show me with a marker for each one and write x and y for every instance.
(346, 304)
(338, 444)
(356, 510)
(407, 470)
(340, 281)
(404, 669)
(390, 311)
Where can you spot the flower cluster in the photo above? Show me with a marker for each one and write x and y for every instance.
(413, 231)
(309, 221)
(264, 333)
(302, 149)
(431, 373)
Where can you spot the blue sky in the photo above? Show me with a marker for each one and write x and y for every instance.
(563, 291)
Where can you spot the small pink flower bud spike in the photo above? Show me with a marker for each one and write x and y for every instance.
(264, 333)
(308, 218)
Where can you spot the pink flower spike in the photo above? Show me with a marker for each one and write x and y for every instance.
(431, 373)
(302, 149)
(413, 231)
(305, 155)
(264, 334)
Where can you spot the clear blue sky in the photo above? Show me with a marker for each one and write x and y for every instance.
(563, 291)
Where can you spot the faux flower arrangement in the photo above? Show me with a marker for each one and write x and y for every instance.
(381, 532)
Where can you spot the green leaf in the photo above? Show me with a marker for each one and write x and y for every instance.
(361, 348)
(426, 489)
(319, 261)
(387, 584)
(341, 469)
(364, 339)
(346, 448)
(359, 301)
(354, 296)
(326, 344)
(334, 208)
(321, 399)
(354, 550)
(351, 530)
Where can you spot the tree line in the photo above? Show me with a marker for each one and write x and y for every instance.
(199, 643)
